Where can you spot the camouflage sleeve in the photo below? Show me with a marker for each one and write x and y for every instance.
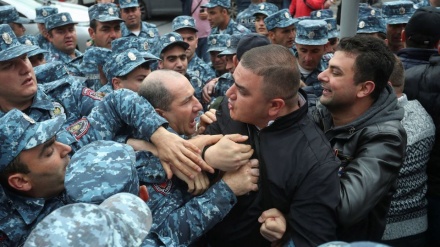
(86, 99)
(187, 223)
(149, 168)
(4, 240)
(117, 109)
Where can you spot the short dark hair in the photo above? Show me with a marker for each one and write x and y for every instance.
(374, 61)
(93, 24)
(16, 166)
(397, 77)
(279, 69)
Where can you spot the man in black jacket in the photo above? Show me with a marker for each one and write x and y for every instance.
(359, 115)
(298, 169)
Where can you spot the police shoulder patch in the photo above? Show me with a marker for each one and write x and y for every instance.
(91, 94)
(58, 109)
(163, 188)
(79, 128)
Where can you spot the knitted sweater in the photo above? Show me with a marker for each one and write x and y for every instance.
(408, 215)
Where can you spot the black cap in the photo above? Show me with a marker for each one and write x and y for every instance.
(250, 41)
(424, 26)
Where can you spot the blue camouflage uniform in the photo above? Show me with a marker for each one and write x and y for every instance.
(232, 26)
(247, 18)
(18, 213)
(312, 32)
(31, 40)
(58, 20)
(321, 14)
(41, 13)
(93, 58)
(218, 43)
(371, 24)
(148, 30)
(265, 8)
(174, 39)
(196, 65)
(226, 80)
(123, 63)
(397, 12)
(104, 12)
(281, 19)
(9, 14)
(141, 44)
(49, 72)
(120, 220)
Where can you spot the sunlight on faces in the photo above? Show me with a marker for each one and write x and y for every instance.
(64, 38)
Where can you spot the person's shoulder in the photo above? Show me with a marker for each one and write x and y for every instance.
(149, 25)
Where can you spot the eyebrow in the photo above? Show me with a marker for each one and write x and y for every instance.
(186, 99)
(46, 145)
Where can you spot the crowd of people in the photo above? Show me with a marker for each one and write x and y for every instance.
(266, 130)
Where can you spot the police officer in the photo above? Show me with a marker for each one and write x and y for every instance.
(92, 66)
(134, 26)
(41, 13)
(396, 14)
(34, 166)
(246, 17)
(216, 44)
(261, 11)
(186, 27)
(173, 56)
(123, 108)
(105, 24)
(9, 15)
(281, 29)
(129, 68)
(36, 56)
(62, 35)
(220, 20)
(311, 41)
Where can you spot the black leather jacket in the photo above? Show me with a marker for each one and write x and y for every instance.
(422, 83)
(371, 149)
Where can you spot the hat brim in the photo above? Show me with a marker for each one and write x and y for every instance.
(130, 5)
(303, 41)
(182, 44)
(23, 20)
(127, 70)
(108, 19)
(399, 20)
(228, 51)
(64, 24)
(49, 127)
(37, 51)
(149, 57)
(261, 13)
(15, 51)
(188, 27)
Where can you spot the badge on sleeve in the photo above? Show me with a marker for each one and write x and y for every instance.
(79, 128)
(91, 94)
(163, 188)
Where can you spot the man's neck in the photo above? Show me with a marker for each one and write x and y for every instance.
(6, 106)
(345, 116)
(135, 28)
(285, 111)
(225, 24)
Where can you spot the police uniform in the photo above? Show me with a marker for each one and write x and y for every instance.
(41, 13)
(232, 26)
(281, 19)
(94, 57)
(196, 65)
(312, 32)
(148, 30)
(123, 63)
(31, 40)
(247, 18)
(397, 12)
(104, 12)
(8, 14)
(219, 43)
(58, 20)
(121, 220)
(49, 72)
(265, 9)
